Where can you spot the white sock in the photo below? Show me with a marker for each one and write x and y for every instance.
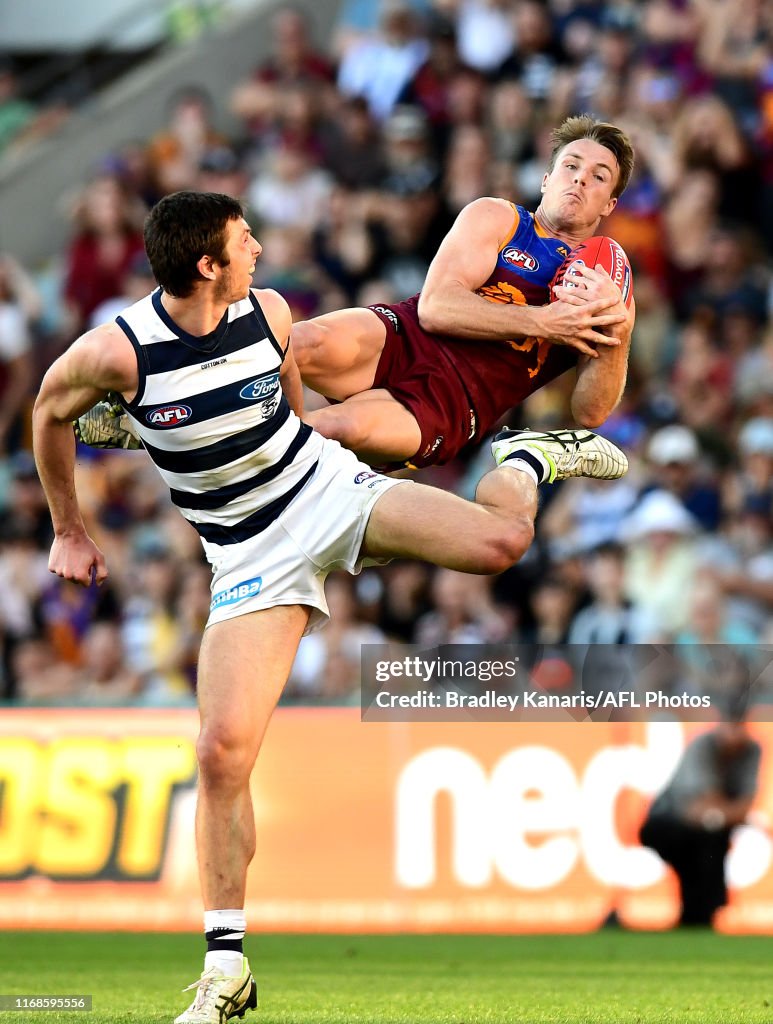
(226, 924)
(524, 467)
(227, 961)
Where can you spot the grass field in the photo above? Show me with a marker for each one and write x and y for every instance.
(612, 977)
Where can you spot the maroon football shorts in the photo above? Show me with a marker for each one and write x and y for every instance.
(416, 370)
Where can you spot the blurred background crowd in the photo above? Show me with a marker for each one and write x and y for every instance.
(355, 153)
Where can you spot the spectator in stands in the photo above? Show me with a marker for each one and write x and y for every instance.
(288, 190)
(23, 578)
(745, 573)
(733, 281)
(327, 666)
(293, 61)
(379, 68)
(691, 822)
(354, 148)
(39, 674)
(108, 239)
(675, 457)
(468, 164)
(486, 33)
(610, 618)
(707, 136)
(103, 677)
(710, 620)
(404, 599)
(690, 219)
(152, 635)
(138, 282)
(581, 518)
(661, 558)
(347, 244)
(220, 170)
(288, 266)
(537, 55)
(464, 612)
(19, 305)
(753, 477)
(553, 603)
(702, 379)
(174, 154)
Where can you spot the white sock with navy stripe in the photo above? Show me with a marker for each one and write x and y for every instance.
(530, 461)
(224, 932)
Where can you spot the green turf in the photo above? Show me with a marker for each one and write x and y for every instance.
(612, 977)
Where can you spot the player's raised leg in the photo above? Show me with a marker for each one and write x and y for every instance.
(373, 424)
(243, 666)
(338, 353)
(485, 536)
(493, 532)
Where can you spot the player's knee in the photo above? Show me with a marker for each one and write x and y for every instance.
(507, 545)
(225, 757)
(308, 340)
(342, 423)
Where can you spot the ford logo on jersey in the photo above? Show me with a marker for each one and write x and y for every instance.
(519, 258)
(260, 388)
(169, 415)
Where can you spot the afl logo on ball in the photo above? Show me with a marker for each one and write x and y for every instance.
(520, 259)
(169, 415)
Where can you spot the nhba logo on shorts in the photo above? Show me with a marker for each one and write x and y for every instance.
(260, 388)
(520, 259)
(250, 588)
(169, 415)
(362, 477)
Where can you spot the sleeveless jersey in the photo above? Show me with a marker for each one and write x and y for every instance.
(501, 374)
(212, 416)
(526, 264)
(458, 388)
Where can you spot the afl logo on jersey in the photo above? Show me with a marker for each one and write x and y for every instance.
(169, 415)
(519, 258)
(260, 388)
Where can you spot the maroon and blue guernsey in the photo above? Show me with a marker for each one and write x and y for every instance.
(459, 388)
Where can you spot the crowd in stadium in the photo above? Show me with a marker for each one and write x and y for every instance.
(354, 157)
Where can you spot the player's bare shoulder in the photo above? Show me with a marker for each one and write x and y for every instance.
(276, 311)
(485, 221)
(105, 356)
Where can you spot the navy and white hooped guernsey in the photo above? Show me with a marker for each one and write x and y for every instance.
(212, 416)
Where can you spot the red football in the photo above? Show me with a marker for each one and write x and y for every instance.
(598, 250)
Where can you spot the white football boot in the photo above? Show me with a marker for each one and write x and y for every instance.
(220, 997)
(567, 452)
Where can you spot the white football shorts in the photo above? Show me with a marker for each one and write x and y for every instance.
(322, 529)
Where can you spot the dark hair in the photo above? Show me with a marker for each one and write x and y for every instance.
(608, 549)
(608, 135)
(183, 227)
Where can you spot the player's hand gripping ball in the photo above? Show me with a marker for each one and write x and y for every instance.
(599, 250)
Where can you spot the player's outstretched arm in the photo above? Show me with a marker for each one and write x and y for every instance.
(95, 364)
(601, 381)
(449, 304)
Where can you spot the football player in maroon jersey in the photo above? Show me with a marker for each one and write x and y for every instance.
(414, 382)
